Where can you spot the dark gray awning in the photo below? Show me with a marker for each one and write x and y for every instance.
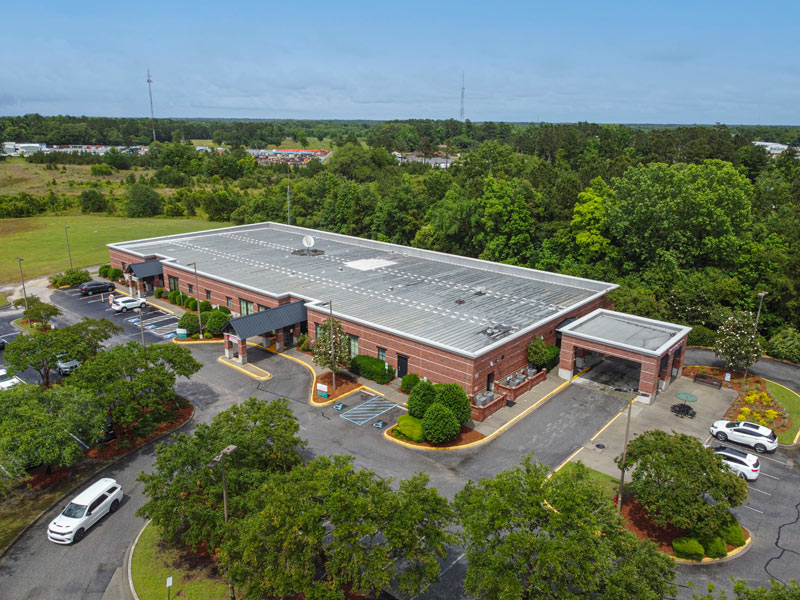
(145, 269)
(267, 320)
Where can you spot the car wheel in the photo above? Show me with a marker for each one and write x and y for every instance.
(124, 309)
(114, 506)
(742, 476)
(760, 448)
(89, 293)
(60, 372)
(79, 535)
(721, 436)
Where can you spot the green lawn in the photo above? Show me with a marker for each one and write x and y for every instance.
(610, 484)
(152, 563)
(3, 300)
(41, 242)
(791, 402)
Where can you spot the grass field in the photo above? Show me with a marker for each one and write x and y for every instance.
(610, 484)
(152, 564)
(18, 176)
(41, 242)
(791, 402)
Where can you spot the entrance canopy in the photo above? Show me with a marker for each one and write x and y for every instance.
(148, 268)
(264, 321)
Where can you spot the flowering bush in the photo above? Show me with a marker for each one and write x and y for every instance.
(771, 415)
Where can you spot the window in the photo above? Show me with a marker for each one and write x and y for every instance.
(208, 295)
(191, 289)
(97, 503)
(353, 345)
(245, 307)
(316, 330)
(382, 354)
(262, 307)
(228, 302)
(173, 283)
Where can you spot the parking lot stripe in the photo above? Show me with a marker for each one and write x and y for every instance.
(753, 509)
(780, 462)
(368, 410)
(760, 491)
(770, 476)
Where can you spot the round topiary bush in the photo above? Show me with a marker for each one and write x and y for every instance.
(159, 292)
(689, 548)
(439, 424)
(103, 270)
(215, 322)
(174, 297)
(455, 398)
(224, 309)
(732, 534)
(421, 398)
(715, 547)
(408, 382)
(205, 306)
(190, 323)
(196, 336)
(190, 303)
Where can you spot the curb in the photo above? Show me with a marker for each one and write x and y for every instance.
(4, 552)
(129, 560)
(732, 555)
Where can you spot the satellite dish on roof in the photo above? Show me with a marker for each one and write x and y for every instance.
(308, 241)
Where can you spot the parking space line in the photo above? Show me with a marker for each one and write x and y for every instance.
(760, 491)
(753, 509)
(5, 335)
(369, 410)
(780, 462)
(158, 319)
(770, 476)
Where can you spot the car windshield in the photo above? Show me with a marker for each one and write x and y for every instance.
(74, 511)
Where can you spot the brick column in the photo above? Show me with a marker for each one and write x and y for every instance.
(243, 352)
(295, 333)
(566, 365)
(648, 379)
(228, 347)
(279, 340)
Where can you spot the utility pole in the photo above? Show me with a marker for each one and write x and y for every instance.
(197, 294)
(152, 117)
(141, 326)
(221, 458)
(66, 233)
(333, 351)
(24, 293)
(289, 198)
(624, 456)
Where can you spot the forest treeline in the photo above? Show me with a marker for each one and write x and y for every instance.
(691, 222)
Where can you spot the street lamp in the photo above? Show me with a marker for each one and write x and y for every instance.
(330, 335)
(217, 459)
(624, 456)
(141, 326)
(66, 233)
(197, 293)
(755, 327)
(24, 293)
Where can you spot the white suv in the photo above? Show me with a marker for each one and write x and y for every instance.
(88, 507)
(760, 438)
(744, 464)
(126, 303)
(8, 381)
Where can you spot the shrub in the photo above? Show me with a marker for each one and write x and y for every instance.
(410, 427)
(216, 321)
(715, 547)
(103, 270)
(143, 202)
(542, 355)
(207, 335)
(190, 323)
(688, 547)
(371, 368)
(732, 533)
(196, 336)
(115, 274)
(174, 297)
(785, 344)
(700, 335)
(190, 303)
(455, 398)
(205, 306)
(92, 201)
(408, 382)
(158, 292)
(421, 398)
(224, 309)
(439, 424)
(101, 170)
(69, 277)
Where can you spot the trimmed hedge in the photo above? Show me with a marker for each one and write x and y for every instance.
(408, 382)
(421, 398)
(455, 398)
(70, 277)
(410, 428)
(715, 547)
(215, 322)
(732, 534)
(224, 309)
(190, 323)
(174, 297)
(689, 548)
(190, 303)
(103, 270)
(542, 355)
(159, 293)
(205, 306)
(439, 424)
(371, 368)
(115, 274)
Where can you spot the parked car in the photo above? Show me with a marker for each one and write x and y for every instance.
(8, 381)
(126, 303)
(760, 438)
(101, 498)
(66, 365)
(96, 287)
(2, 344)
(744, 464)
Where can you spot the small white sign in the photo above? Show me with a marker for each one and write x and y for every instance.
(321, 387)
(233, 339)
(169, 581)
(110, 298)
(727, 376)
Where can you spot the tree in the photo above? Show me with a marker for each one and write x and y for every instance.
(775, 591)
(341, 346)
(143, 201)
(40, 425)
(326, 526)
(680, 482)
(455, 398)
(185, 495)
(528, 536)
(135, 385)
(93, 201)
(439, 424)
(85, 338)
(37, 311)
(736, 344)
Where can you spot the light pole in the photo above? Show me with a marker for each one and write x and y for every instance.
(221, 458)
(197, 293)
(333, 352)
(141, 326)
(24, 293)
(755, 327)
(624, 456)
(69, 252)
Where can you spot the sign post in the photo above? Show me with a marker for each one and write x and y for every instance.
(169, 586)
(322, 390)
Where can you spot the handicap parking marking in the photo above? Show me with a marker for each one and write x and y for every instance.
(339, 406)
(363, 413)
(133, 320)
(379, 424)
(169, 336)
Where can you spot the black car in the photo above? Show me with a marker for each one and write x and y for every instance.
(96, 287)
(2, 344)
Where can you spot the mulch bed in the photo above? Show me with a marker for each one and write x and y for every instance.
(467, 435)
(344, 385)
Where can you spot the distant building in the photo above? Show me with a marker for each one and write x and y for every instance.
(773, 148)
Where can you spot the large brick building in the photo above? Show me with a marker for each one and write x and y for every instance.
(444, 317)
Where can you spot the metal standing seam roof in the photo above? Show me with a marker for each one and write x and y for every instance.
(264, 321)
(462, 305)
(147, 268)
(629, 332)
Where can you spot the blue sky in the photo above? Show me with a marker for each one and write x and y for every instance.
(611, 62)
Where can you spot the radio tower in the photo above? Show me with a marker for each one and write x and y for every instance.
(152, 118)
(462, 95)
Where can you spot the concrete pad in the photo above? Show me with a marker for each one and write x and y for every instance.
(710, 406)
(248, 369)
